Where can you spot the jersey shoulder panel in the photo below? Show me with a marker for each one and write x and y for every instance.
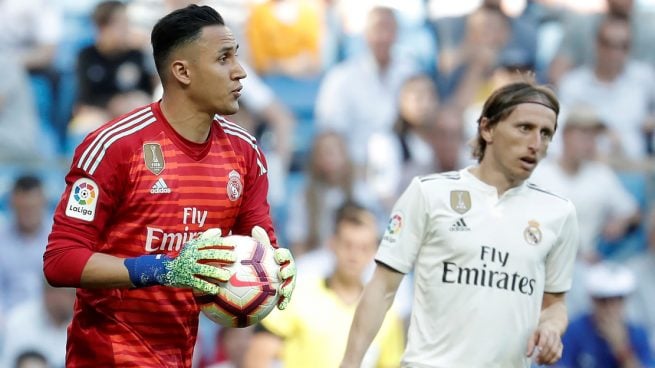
(448, 175)
(536, 188)
(239, 136)
(122, 131)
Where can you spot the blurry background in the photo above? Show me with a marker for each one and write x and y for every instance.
(349, 100)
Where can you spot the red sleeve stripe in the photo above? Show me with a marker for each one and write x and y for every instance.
(90, 153)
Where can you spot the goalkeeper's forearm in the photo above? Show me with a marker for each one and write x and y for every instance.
(376, 301)
(106, 271)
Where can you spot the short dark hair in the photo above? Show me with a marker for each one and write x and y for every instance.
(504, 100)
(105, 10)
(178, 28)
(26, 183)
(27, 355)
(612, 19)
(351, 212)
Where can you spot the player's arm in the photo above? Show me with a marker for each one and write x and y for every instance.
(95, 189)
(376, 300)
(546, 341)
(99, 270)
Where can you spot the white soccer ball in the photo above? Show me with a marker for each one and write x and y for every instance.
(251, 293)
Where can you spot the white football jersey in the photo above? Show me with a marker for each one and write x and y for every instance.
(481, 265)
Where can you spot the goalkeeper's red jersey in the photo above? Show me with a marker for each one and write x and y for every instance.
(137, 187)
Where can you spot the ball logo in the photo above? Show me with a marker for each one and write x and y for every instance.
(85, 194)
(82, 200)
(234, 185)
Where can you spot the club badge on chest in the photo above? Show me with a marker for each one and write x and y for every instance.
(234, 185)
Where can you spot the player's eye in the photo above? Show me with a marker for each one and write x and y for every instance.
(547, 134)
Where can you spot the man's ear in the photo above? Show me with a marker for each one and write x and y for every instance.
(181, 72)
(486, 131)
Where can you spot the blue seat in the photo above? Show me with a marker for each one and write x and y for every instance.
(299, 95)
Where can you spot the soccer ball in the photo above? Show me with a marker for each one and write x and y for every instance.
(251, 292)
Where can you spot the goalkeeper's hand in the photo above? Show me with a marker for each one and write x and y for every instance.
(287, 270)
(185, 270)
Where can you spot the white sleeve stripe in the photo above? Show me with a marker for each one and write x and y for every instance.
(240, 135)
(102, 144)
(228, 124)
(114, 139)
(126, 122)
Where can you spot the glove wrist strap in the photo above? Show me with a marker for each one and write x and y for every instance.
(147, 270)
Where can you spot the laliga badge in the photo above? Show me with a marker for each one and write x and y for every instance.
(82, 200)
(153, 157)
(234, 185)
(460, 201)
(394, 227)
(532, 233)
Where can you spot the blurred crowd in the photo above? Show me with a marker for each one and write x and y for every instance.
(349, 100)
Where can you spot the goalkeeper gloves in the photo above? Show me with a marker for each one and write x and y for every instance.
(185, 270)
(287, 271)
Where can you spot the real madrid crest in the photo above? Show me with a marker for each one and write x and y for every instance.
(460, 201)
(532, 233)
(153, 157)
(234, 185)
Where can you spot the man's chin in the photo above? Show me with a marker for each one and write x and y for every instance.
(229, 110)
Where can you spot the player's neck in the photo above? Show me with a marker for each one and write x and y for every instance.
(186, 120)
(493, 176)
(347, 289)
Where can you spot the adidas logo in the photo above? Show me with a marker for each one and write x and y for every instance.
(160, 187)
(460, 225)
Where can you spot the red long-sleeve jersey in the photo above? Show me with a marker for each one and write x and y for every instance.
(137, 187)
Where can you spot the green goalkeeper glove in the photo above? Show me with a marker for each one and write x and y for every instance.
(185, 270)
(287, 271)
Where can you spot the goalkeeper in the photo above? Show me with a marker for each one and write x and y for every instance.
(141, 192)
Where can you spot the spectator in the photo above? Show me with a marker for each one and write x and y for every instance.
(19, 121)
(30, 31)
(40, 324)
(621, 90)
(331, 181)
(313, 331)
(608, 210)
(31, 359)
(475, 43)
(641, 304)
(285, 38)
(603, 211)
(605, 338)
(113, 78)
(397, 157)
(358, 97)
(451, 152)
(23, 243)
(577, 49)
(232, 347)
(465, 68)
